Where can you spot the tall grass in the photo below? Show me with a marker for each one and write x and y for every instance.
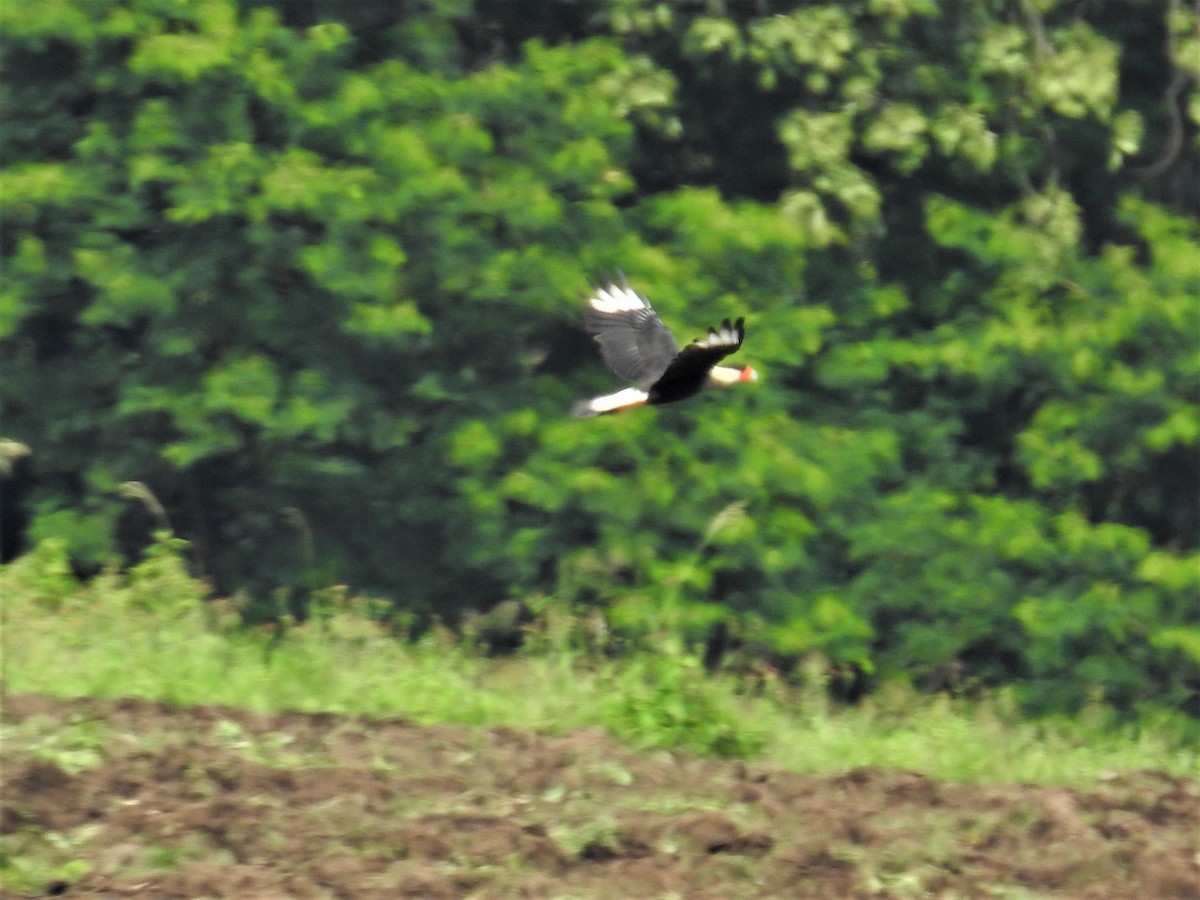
(151, 633)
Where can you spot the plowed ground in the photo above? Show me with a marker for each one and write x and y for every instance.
(125, 798)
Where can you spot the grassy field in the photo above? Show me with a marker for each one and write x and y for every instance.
(151, 634)
(154, 744)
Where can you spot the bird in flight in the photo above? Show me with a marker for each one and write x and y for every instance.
(639, 348)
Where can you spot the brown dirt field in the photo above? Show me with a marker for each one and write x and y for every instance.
(124, 798)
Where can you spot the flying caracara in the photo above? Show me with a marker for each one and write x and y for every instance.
(638, 347)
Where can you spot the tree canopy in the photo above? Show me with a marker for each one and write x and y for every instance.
(301, 281)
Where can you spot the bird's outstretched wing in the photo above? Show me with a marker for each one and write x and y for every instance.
(698, 357)
(633, 340)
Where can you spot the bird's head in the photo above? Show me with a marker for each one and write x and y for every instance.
(747, 374)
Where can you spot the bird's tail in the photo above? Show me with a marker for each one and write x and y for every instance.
(610, 403)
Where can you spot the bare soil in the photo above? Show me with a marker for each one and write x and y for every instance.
(124, 798)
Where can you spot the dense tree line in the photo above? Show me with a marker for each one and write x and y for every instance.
(300, 282)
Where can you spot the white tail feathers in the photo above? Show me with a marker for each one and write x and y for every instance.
(609, 403)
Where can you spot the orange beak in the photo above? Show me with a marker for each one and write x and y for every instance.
(748, 374)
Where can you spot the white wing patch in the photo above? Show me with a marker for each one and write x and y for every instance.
(614, 299)
(718, 337)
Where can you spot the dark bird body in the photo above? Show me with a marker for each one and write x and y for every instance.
(639, 348)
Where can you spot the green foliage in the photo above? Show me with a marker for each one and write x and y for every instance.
(59, 860)
(310, 278)
(153, 633)
(666, 701)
